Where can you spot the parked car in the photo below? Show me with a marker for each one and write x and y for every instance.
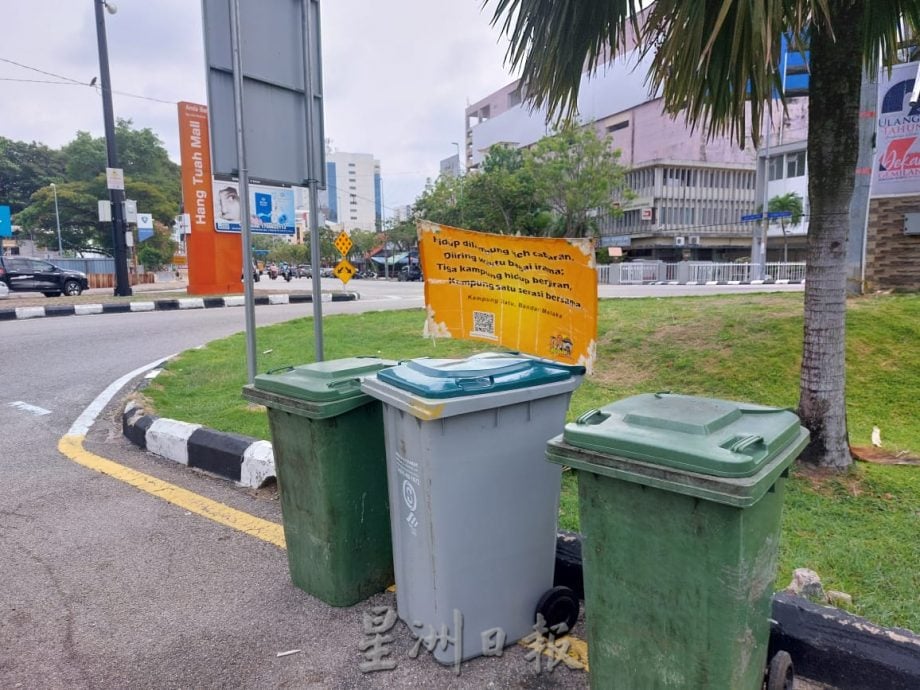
(303, 271)
(22, 274)
(4, 291)
(410, 272)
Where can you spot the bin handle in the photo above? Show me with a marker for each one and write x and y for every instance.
(595, 416)
(477, 383)
(743, 443)
(344, 383)
(289, 367)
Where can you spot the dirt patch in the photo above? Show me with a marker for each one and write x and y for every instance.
(621, 373)
(880, 456)
(825, 480)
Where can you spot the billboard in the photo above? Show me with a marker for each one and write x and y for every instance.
(271, 208)
(532, 294)
(897, 165)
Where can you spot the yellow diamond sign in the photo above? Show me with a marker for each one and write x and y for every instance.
(344, 270)
(343, 244)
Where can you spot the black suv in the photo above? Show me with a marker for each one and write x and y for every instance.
(34, 275)
(410, 272)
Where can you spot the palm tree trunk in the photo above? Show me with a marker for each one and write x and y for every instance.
(836, 71)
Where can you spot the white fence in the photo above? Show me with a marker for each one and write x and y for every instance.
(644, 272)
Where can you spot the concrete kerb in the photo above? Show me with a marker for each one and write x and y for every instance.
(827, 645)
(10, 314)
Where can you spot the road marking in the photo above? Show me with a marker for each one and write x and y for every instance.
(32, 409)
(72, 446)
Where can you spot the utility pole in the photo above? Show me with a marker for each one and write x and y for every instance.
(57, 220)
(116, 196)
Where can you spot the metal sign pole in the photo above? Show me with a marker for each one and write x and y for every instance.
(244, 191)
(311, 70)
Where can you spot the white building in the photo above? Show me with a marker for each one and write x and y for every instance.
(352, 198)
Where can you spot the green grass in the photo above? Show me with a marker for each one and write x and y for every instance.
(857, 531)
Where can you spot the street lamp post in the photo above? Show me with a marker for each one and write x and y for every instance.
(116, 196)
(461, 180)
(57, 220)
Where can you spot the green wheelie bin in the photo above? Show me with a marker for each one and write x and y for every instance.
(680, 500)
(330, 462)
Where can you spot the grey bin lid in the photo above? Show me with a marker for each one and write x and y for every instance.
(487, 372)
(713, 437)
(332, 381)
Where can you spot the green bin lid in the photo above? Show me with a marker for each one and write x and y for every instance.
(486, 372)
(714, 437)
(322, 382)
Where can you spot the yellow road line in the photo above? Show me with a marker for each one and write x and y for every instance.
(72, 447)
(574, 654)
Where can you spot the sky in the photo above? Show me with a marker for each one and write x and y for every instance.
(396, 76)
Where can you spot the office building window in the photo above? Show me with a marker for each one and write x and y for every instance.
(776, 168)
(795, 164)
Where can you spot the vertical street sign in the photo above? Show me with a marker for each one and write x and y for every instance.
(6, 225)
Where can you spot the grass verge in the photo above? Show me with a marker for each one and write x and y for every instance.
(858, 531)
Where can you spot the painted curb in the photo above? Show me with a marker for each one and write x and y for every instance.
(826, 644)
(180, 304)
(242, 459)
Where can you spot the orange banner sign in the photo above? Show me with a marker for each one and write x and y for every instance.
(531, 294)
(215, 260)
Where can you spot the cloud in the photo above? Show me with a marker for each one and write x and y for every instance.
(397, 76)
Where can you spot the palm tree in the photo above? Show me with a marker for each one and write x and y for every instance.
(792, 203)
(716, 62)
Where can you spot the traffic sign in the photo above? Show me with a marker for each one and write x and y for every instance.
(344, 270)
(751, 217)
(343, 243)
(779, 214)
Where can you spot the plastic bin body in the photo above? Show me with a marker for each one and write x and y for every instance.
(473, 507)
(679, 565)
(330, 464)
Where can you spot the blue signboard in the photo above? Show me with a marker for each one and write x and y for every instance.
(6, 224)
(779, 214)
(751, 217)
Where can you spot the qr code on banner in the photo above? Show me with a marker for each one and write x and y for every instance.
(483, 324)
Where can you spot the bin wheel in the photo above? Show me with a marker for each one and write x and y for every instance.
(559, 605)
(780, 672)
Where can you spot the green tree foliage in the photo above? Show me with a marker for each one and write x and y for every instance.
(557, 187)
(156, 251)
(24, 169)
(717, 64)
(792, 203)
(576, 174)
(78, 170)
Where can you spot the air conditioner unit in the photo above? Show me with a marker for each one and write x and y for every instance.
(694, 240)
(679, 241)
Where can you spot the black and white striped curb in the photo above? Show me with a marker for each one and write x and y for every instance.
(166, 305)
(245, 460)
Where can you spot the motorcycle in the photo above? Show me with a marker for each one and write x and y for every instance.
(272, 271)
(287, 273)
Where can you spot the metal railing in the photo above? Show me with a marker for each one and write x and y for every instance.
(644, 272)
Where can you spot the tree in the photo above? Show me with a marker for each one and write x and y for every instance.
(156, 251)
(717, 62)
(792, 203)
(576, 173)
(24, 169)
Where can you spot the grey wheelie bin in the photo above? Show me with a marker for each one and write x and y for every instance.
(327, 438)
(680, 501)
(473, 504)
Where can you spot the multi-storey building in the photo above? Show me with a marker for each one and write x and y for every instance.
(690, 191)
(353, 195)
